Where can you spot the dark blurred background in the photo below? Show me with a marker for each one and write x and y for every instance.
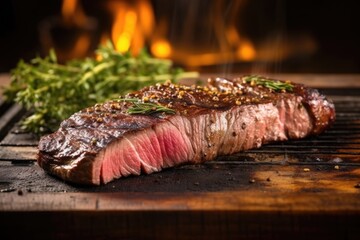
(273, 36)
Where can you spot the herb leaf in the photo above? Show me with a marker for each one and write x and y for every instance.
(145, 108)
(53, 91)
(275, 85)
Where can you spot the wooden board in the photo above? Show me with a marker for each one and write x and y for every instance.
(210, 201)
(305, 189)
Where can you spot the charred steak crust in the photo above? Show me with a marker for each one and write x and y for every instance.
(104, 142)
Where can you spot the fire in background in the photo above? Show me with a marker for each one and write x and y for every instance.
(196, 34)
(263, 36)
(72, 34)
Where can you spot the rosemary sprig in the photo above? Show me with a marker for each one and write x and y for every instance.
(145, 108)
(275, 85)
(52, 91)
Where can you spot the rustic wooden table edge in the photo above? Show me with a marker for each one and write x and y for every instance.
(240, 200)
(227, 215)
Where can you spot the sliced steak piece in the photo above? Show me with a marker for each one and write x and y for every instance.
(106, 142)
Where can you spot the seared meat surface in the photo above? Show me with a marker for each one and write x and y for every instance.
(101, 143)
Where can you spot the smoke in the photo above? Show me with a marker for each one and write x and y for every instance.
(273, 45)
(224, 36)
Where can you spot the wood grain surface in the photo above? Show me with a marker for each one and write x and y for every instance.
(298, 190)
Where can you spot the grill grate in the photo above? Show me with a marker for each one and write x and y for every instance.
(339, 144)
(333, 155)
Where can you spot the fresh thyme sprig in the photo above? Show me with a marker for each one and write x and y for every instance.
(269, 83)
(52, 91)
(145, 108)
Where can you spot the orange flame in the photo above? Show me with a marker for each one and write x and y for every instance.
(123, 30)
(72, 12)
(132, 26)
(80, 29)
(68, 8)
(161, 48)
(246, 51)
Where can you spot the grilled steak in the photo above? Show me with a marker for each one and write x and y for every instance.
(106, 142)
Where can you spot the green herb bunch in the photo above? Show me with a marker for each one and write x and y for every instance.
(52, 91)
